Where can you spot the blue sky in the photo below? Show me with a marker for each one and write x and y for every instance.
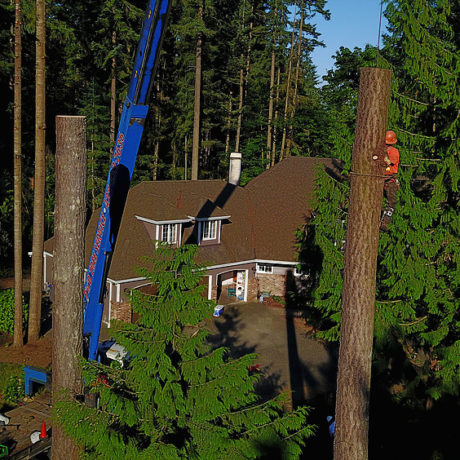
(353, 23)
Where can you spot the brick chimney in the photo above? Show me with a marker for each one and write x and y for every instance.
(234, 172)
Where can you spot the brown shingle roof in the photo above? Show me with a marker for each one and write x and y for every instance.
(264, 215)
(280, 199)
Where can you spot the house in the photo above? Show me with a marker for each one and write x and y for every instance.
(246, 235)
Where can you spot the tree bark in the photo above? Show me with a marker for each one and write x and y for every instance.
(229, 124)
(69, 240)
(36, 277)
(271, 99)
(296, 86)
(358, 296)
(18, 337)
(286, 102)
(197, 105)
(275, 130)
(113, 93)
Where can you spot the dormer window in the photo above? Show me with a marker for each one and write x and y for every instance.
(209, 230)
(168, 233)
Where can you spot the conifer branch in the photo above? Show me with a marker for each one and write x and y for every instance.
(417, 135)
(414, 322)
(411, 99)
(434, 160)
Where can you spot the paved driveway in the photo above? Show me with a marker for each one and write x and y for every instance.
(289, 359)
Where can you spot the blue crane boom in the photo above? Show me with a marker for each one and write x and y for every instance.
(135, 109)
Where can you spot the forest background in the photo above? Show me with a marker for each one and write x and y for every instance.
(260, 95)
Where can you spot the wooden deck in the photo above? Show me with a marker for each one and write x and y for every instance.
(24, 420)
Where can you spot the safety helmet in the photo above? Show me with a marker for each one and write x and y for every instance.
(390, 137)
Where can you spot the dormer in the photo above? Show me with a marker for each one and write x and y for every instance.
(208, 224)
(168, 231)
(209, 230)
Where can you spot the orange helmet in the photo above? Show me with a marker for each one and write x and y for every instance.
(390, 137)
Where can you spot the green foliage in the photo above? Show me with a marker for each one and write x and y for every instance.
(11, 383)
(7, 311)
(417, 279)
(177, 397)
(13, 390)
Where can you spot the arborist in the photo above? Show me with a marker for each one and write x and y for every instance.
(390, 160)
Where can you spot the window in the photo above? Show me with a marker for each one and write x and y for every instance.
(209, 230)
(264, 268)
(168, 233)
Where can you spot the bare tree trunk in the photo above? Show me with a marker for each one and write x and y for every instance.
(197, 105)
(275, 131)
(248, 54)
(296, 86)
(270, 109)
(358, 296)
(240, 111)
(36, 278)
(69, 244)
(18, 337)
(113, 93)
(286, 102)
(240, 90)
(174, 158)
(229, 124)
(185, 157)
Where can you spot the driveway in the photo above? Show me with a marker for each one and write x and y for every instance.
(289, 359)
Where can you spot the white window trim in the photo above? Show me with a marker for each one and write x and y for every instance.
(259, 270)
(170, 234)
(214, 225)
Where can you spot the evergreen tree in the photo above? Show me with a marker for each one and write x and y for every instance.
(417, 279)
(418, 275)
(176, 397)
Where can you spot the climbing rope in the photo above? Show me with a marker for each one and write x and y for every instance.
(352, 173)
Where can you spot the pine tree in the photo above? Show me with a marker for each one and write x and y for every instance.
(176, 397)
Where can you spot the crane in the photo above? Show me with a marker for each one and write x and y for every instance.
(131, 126)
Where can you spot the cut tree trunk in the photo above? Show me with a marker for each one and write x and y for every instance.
(358, 296)
(69, 231)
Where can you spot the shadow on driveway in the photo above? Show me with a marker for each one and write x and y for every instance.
(288, 358)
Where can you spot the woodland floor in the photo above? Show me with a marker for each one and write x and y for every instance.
(37, 354)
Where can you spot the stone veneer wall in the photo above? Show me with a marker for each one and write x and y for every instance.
(121, 311)
(275, 284)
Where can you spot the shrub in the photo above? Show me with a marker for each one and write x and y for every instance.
(7, 311)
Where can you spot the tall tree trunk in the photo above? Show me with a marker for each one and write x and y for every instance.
(275, 130)
(229, 124)
(174, 159)
(185, 157)
(358, 295)
(113, 94)
(197, 105)
(286, 102)
(248, 54)
(296, 85)
(36, 277)
(69, 243)
(240, 110)
(18, 338)
(239, 120)
(270, 103)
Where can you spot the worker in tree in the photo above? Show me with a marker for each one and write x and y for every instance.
(390, 161)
